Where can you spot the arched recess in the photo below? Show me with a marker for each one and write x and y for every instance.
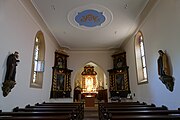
(37, 69)
(101, 79)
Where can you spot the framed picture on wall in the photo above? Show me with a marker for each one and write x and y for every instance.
(119, 82)
(60, 82)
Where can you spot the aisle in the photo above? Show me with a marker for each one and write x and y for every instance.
(91, 113)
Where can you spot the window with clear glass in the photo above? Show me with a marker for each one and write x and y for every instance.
(38, 61)
(140, 58)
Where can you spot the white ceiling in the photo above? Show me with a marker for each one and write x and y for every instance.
(124, 14)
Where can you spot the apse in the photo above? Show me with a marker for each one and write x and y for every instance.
(90, 78)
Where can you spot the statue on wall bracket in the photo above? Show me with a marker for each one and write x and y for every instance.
(164, 71)
(9, 81)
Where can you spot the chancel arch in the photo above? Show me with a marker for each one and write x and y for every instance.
(89, 79)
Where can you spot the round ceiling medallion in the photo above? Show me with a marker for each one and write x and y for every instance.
(90, 16)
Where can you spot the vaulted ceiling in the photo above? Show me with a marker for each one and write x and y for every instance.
(117, 20)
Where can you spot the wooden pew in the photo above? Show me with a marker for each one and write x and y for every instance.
(53, 106)
(35, 118)
(123, 104)
(145, 117)
(57, 103)
(80, 106)
(37, 113)
(149, 114)
(136, 108)
(116, 106)
(103, 109)
(75, 113)
(60, 105)
(118, 110)
(145, 112)
(127, 103)
(126, 111)
(17, 109)
(103, 112)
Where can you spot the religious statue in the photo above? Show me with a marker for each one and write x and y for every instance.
(9, 81)
(164, 71)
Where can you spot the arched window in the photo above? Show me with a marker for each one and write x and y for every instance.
(38, 61)
(140, 58)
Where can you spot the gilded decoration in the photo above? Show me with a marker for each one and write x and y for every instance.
(89, 79)
(118, 76)
(61, 82)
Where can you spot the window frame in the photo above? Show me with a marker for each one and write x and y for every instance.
(142, 76)
(37, 71)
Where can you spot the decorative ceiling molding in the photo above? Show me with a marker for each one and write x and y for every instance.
(90, 16)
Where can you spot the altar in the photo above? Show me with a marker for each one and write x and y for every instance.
(89, 101)
(85, 94)
(89, 85)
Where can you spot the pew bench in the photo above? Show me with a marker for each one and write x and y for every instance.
(76, 113)
(79, 107)
(106, 110)
(145, 112)
(35, 117)
(145, 117)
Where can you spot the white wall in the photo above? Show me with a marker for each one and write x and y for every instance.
(161, 31)
(17, 33)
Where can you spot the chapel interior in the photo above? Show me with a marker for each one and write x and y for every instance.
(90, 52)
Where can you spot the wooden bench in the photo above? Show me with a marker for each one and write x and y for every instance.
(35, 118)
(58, 103)
(78, 106)
(136, 108)
(128, 108)
(145, 112)
(17, 109)
(37, 113)
(126, 105)
(73, 111)
(106, 110)
(145, 117)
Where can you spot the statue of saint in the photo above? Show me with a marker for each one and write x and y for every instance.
(164, 71)
(9, 81)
